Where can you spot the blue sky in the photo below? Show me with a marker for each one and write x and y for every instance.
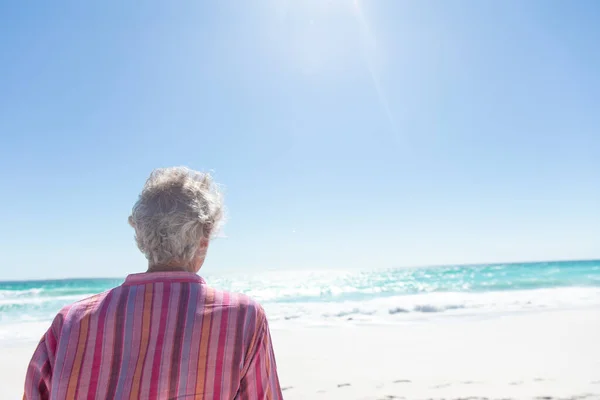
(347, 134)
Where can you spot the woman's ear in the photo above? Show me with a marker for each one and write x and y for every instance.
(130, 220)
(204, 243)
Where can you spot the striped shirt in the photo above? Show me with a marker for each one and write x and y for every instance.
(160, 335)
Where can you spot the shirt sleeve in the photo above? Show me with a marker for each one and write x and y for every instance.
(260, 380)
(39, 372)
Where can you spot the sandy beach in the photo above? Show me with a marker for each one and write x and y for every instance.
(547, 355)
(539, 356)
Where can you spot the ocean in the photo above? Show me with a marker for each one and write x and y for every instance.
(337, 297)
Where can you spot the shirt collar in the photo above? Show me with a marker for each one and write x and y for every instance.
(172, 276)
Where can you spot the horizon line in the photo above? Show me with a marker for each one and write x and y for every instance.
(296, 269)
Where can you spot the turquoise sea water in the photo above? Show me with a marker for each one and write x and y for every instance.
(334, 296)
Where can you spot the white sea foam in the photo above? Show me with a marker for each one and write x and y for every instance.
(11, 294)
(16, 301)
(432, 305)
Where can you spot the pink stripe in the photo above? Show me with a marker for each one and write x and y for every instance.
(52, 341)
(221, 347)
(106, 340)
(158, 360)
(235, 335)
(207, 307)
(211, 358)
(196, 327)
(138, 311)
(259, 385)
(71, 342)
(174, 309)
(146, 351)
(97, 343)
(85, 374)
(85, 350)
(150, 354)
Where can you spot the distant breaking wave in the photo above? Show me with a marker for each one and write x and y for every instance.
(434, 305)
(365, 296)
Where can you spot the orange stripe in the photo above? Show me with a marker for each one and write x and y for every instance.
(83, 332)
(268, 371)
(135, 389)
(204, 339)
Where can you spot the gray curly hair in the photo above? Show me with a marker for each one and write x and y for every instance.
(177, 208)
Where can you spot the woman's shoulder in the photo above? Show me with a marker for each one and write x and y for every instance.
(237, 301)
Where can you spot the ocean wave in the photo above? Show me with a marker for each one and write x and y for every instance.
(331, 285)
(53, 288)
(399, 308)
(24, 301)
(34, 308)
(365, 295)
(27, 321)
(11, 294)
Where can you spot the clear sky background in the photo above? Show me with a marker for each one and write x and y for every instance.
(347, 134)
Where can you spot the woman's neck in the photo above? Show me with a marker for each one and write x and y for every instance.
(168, 268)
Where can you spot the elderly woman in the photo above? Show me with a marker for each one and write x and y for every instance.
(162, 334)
